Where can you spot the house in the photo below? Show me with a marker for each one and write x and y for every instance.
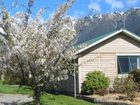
(115, 54)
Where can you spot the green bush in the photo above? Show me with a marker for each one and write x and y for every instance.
(11, 78)
(135, 74)
(94, 82)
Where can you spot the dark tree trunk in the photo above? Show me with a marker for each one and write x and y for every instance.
(37, 95)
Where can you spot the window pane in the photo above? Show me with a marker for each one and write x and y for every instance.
(123, 64)
(138, 62)
(133, 62)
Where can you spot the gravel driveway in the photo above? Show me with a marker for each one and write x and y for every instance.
(9, 99)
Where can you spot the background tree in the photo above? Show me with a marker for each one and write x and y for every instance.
(39, 50)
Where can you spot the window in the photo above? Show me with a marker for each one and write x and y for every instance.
(128, 63)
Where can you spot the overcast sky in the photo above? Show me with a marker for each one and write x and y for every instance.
(80, 7)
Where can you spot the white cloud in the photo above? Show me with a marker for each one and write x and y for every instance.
(94, 6)
(115, 4)
(132, 2)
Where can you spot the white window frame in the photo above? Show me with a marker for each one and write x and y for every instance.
(124, 54)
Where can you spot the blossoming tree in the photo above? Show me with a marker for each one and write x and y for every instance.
(39, 50)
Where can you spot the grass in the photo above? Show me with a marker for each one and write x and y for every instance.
(63, 100)
(46, 99)
(50, 99)
(14, 89)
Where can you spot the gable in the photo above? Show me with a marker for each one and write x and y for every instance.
(120, 43)
(103, 38)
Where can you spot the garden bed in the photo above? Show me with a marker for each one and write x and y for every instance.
(111, 99)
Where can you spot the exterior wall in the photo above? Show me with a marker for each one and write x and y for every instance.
(104, 56)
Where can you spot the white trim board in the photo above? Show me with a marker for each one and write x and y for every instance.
(129, 54)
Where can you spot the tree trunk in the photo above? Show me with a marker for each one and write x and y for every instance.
(37, 95)
(2, 76)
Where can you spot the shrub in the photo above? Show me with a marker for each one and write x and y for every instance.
(11, 78)
(136, 76)
(102, 91)
(131, 88)
(118, 85)
(127, 86)
(94, 82)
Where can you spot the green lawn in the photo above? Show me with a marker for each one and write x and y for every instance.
(62, 100)
(50, 99)
(47, 99)
(14, 89)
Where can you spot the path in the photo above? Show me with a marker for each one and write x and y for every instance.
(10, 99)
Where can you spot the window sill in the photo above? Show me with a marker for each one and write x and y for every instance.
(122, 75)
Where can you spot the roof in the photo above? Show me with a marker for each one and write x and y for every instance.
(88, 44)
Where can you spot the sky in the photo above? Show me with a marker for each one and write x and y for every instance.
(79, 9)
